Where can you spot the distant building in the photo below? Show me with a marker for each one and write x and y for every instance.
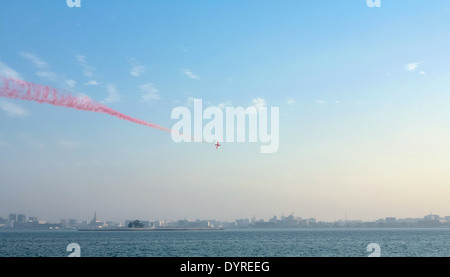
(299, 223)
(292, 221)
(431, 217)
(3, 222)
(95, 223)
(390, 220)
(273, 219)
(50, 226)
(12, 217)
(408, 220)
(162, 223)
(182, 223)
(111, 224)
(21, 218)
(242, 223)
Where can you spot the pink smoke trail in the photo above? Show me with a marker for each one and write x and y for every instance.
(18, 89)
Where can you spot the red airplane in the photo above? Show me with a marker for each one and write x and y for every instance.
(217, 145)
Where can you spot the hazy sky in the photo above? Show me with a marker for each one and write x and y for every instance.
(363, 95)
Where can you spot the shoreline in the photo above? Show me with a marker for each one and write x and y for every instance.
(148, 229)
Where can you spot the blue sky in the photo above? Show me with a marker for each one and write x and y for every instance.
(362, 92)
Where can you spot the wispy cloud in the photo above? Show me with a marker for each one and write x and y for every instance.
(71, 83)
(149, 92)
(86, 67)
(43, 68)
(412, 66)
(259, 102)
(38, 62)
(290, 101)
(8, 72)
(137, 70)
(190, 74)
(46, 75)
(189, 102)
(321, 102)
(91, 83)
(12, 110)
(113, 94)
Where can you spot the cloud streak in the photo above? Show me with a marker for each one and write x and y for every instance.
(149, 92)
(71, 83)
(259, 102)
(12, 110)
(38, 62)
(8, 72)
(91, 83)
(137, 70)
(190, 74)
(113, 94)
(44, 71)
(43, 68)
(87, 69)
(412, 66)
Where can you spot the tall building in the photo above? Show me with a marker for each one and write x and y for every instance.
(95, 222)
(12, 217)
(95, 217)
(21, 218)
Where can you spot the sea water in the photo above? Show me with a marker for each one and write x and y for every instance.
(229, 243)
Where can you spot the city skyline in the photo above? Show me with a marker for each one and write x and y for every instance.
(362, 95)
(22, 217)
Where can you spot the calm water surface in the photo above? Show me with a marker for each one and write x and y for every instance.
(229, 243)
